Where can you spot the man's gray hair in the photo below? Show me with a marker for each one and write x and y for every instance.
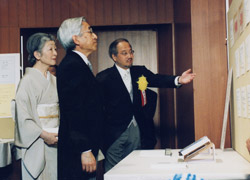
(68, 28)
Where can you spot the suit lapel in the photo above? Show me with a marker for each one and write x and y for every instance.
(136, 92)
(81, 62)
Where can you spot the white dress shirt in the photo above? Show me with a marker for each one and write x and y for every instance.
(126, 77)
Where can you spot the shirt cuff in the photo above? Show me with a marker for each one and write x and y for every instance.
(176, 81)
(87, 151)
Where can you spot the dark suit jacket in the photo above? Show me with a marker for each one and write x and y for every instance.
(81, 115)
(148, 139)
(119, 109)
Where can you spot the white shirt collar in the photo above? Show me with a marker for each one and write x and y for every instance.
(85, 59)
(122, 71)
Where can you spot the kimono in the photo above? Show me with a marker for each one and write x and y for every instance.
(36, 110)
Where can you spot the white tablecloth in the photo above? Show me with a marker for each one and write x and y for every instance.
(155, 165)
(5, 152)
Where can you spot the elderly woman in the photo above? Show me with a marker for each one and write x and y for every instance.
(37, 111)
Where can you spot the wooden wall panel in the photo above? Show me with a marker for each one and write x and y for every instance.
(125, 12)
(183, 61)
(108, 15)
(40, 13)
(13, 13)
(134, 13)
(200, 12)
(48, 15)
(166, 96)
(83, 8)
(143, 12)
(160, 13)
(22, 13)
(182, 12)
(56, 12)
(14, 40)
(4, 40)
(99, 19)
(64, 6)
(210, 64)
(184, 95)
(74, 10)
(31, 13)
(91, 12)
(219, 56)
(116, 12)
(169, 11)
(151, 11)
(4, 11)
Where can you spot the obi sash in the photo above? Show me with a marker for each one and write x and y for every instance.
(49, 117)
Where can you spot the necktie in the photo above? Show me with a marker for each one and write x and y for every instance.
(128, 84)
(90, 66)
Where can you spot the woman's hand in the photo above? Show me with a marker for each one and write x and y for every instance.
(49, 138)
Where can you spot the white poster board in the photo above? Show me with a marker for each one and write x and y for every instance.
(9, 79)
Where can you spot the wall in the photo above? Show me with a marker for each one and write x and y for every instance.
(209, 61)
(15, 14)
(183, 61)
(208, 47)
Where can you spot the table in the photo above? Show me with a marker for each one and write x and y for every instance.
(5, 152)
(155, 165)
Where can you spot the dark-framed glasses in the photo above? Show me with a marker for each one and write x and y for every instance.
(125, 53)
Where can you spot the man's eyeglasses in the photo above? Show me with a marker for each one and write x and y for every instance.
(125, 53)
(88, 31)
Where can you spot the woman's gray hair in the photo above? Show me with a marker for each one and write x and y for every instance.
(68, 28)
(36, 42)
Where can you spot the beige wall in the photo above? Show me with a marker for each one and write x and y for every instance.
(6, 128)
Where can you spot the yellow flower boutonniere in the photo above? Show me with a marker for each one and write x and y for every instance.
(142, 86)
(142, 83)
